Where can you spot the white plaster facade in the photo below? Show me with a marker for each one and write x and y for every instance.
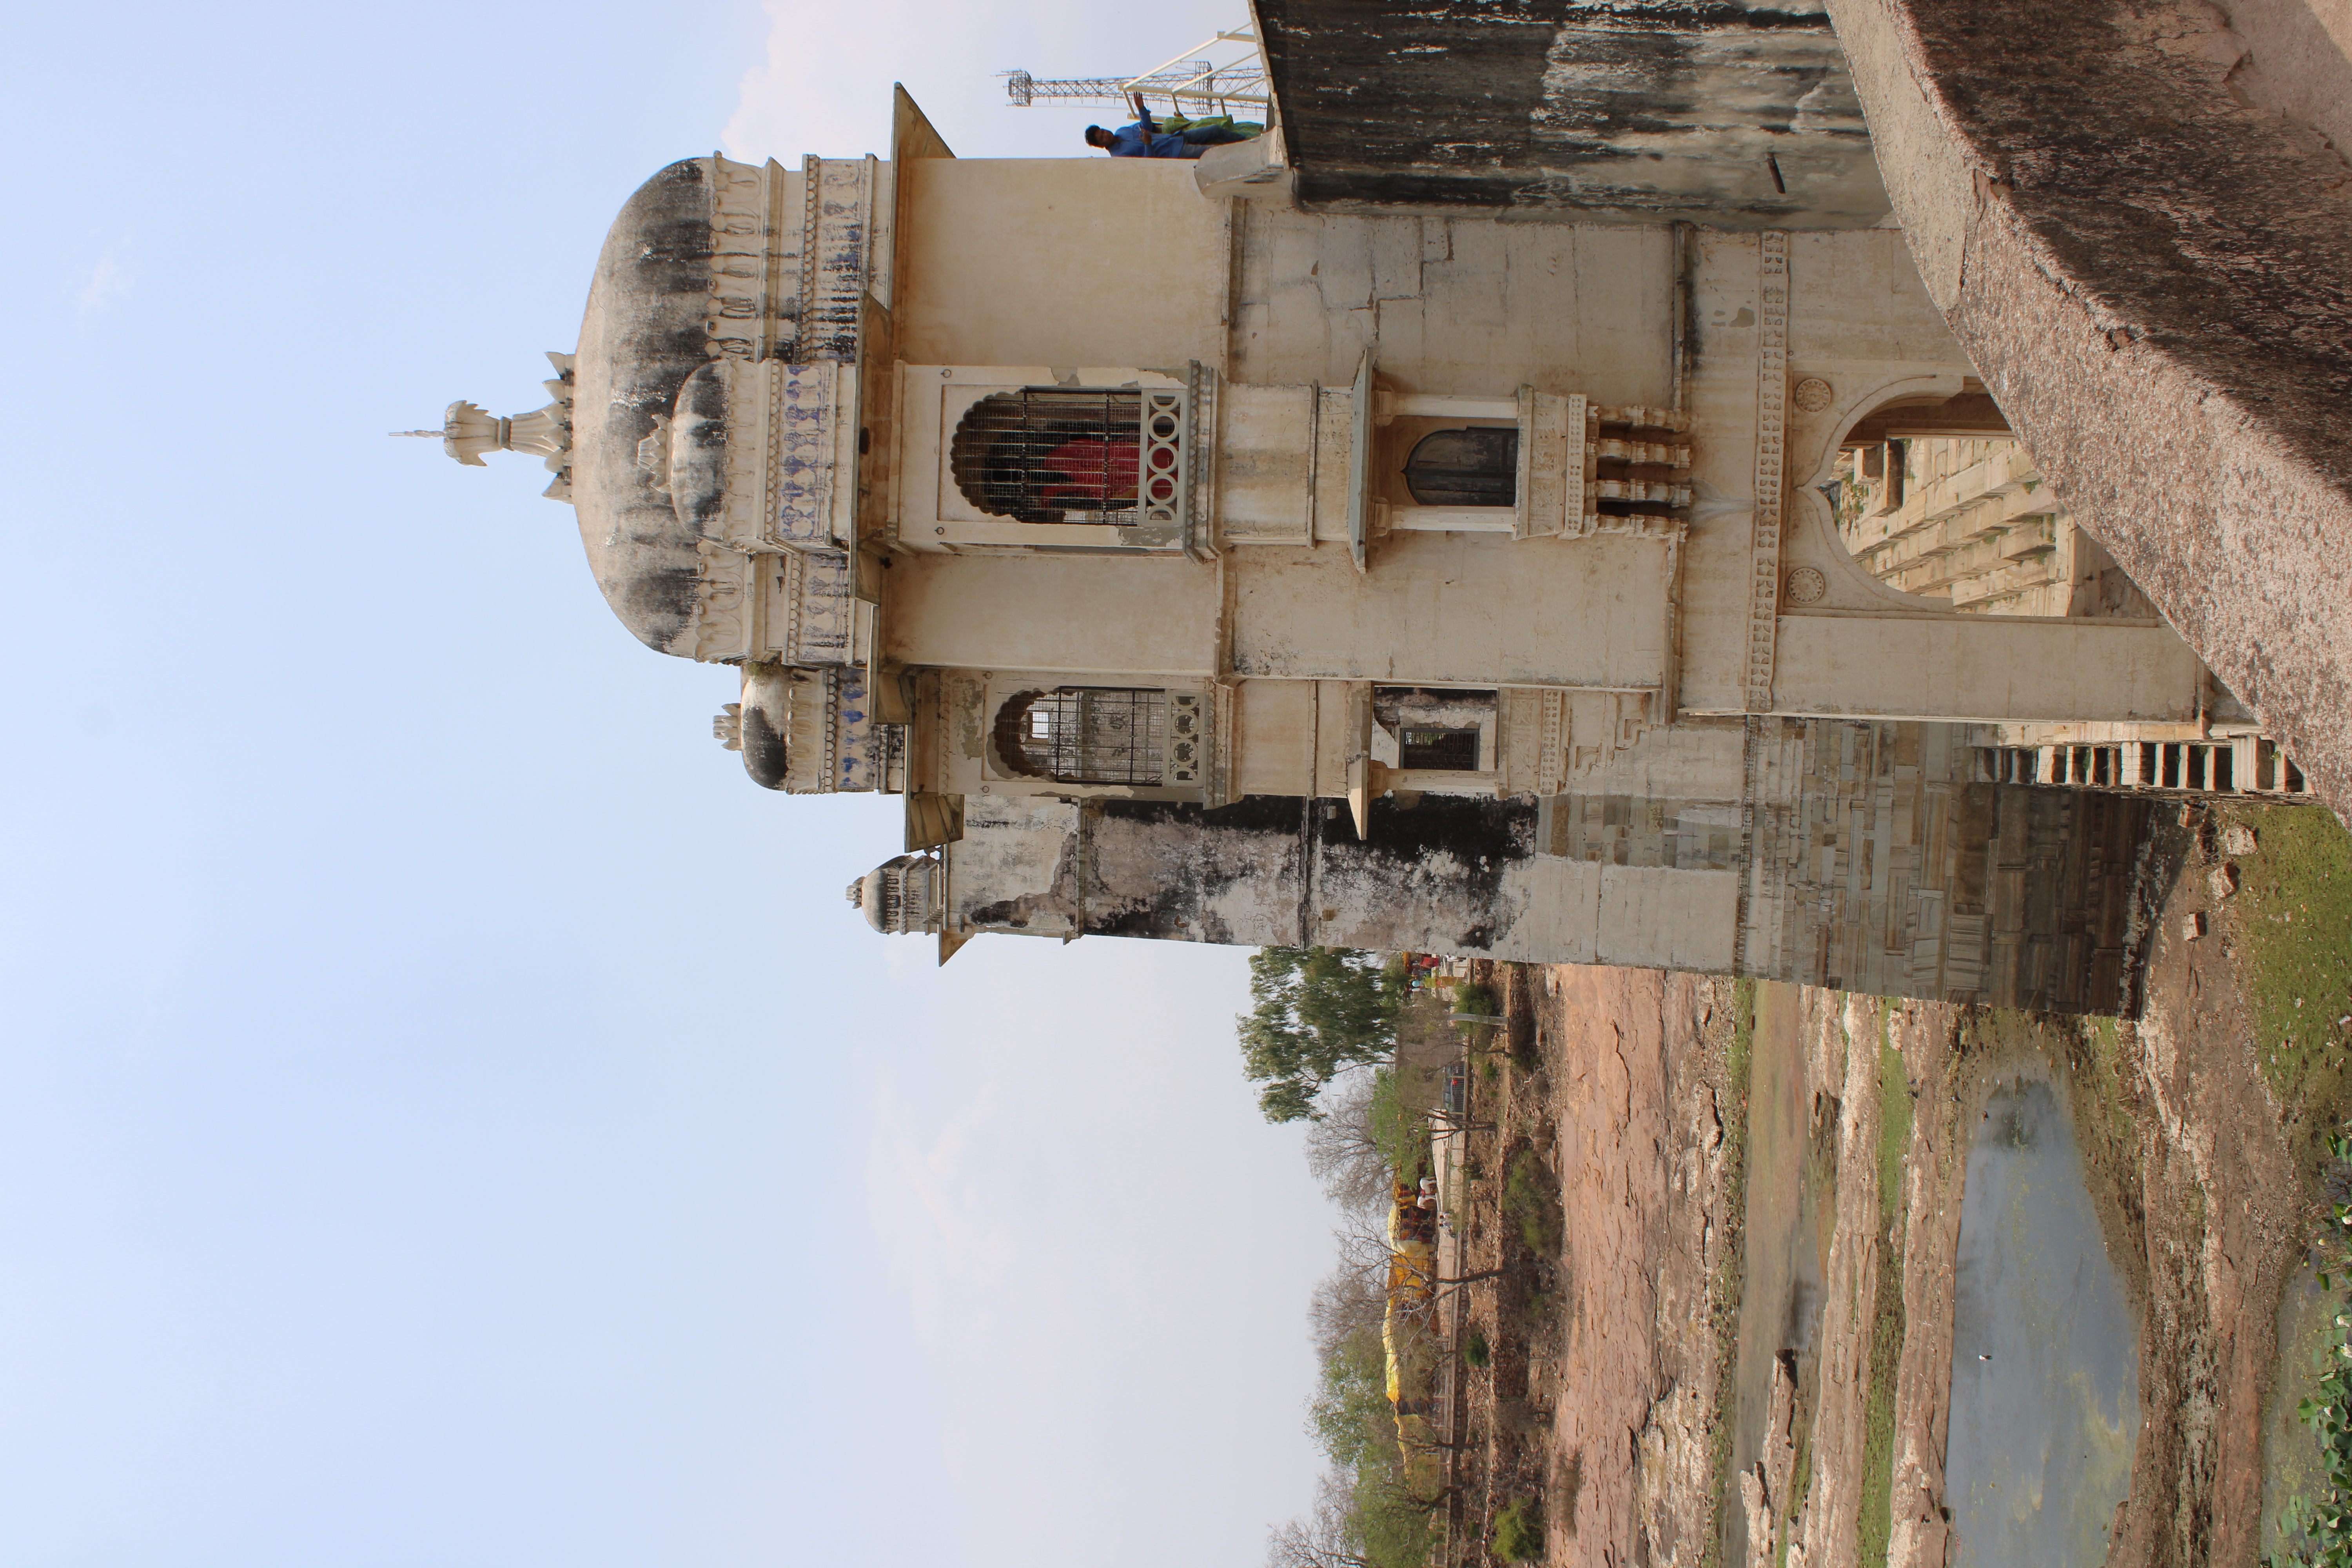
(1255, 686)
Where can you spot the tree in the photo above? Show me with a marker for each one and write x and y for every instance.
(1327, 1538)
(1349, 1417)
(1362, 1244)
(1313, 1013)
(1345, 1150)
(1346, 1301)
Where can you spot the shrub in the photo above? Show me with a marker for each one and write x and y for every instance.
(1528, 1202)
(1474, 1351)
(1519, 1533)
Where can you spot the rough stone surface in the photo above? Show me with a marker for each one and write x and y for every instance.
(2153, 272)
(1732, 115)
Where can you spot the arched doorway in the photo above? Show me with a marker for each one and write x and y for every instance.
(1935, 496)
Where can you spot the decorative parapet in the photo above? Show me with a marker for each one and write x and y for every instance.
(791, 284)
(1771, 431)
(777, 508)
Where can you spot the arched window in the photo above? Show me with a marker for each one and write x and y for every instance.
(1050, 454)
(1100, 734)
(1469, 467)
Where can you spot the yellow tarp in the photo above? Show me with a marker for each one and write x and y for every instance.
(1412, 1280)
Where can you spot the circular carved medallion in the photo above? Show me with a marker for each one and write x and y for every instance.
(1806, 586)
(1812, 395)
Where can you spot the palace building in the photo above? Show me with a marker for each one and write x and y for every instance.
(1199, 566)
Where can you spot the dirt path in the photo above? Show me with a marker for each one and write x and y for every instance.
(1604, 1039)
(1640, 1152)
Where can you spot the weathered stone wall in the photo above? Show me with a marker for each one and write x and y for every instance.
(1869, 860)
(1644, 109)
(2148, 256)
(1879, 866)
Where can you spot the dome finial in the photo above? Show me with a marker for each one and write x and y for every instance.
(469, 431)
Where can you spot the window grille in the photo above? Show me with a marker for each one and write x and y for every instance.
(1088, 734)
(1050, 454)
(1449, 751)
(1470, 467)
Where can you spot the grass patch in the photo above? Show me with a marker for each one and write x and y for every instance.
(1725, 1290)
(1518, 1531)
(2294, 914)
(1893, 1119)
(1876, 1524)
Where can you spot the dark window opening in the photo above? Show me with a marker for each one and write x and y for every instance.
(1465, 467)
(1452, 751)
(1086, 734)
(1061, 455)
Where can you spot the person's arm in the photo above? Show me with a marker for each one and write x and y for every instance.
(1143, 118)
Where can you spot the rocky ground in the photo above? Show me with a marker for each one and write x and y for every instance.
(1607, 1194)
(1666, 1390)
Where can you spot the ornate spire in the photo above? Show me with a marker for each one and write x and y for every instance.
(469, 431)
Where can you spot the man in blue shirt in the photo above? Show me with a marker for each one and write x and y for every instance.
(1146, 140)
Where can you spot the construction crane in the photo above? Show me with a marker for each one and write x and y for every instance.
(1191, 83)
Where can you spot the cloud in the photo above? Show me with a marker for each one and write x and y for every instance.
(1106, 1253)
(823, 84)
(110, 278)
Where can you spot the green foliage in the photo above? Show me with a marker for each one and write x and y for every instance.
(1475, 1352)
(1397, 1525)
(1387, 1519)
(2321, 1528)
(1349, 1415)
(1400, 1132)
(1313, 1013)
(1468, 998)
(1529, 1202)
(1518, 1531)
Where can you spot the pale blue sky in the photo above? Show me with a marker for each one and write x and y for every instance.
(448, 1114)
